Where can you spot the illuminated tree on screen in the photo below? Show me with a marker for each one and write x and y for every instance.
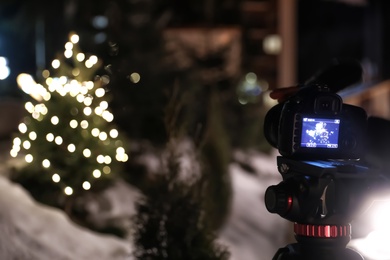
(68, 139)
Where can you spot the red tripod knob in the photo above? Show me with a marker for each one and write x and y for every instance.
(322, 231)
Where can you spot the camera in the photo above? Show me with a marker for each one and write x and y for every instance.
(316, 124)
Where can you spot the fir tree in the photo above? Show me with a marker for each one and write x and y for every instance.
(171, 219)
(177, 217)
(68, 140)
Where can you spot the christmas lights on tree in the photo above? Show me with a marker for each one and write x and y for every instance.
(68, 137)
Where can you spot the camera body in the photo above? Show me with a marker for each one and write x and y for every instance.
(316, 124)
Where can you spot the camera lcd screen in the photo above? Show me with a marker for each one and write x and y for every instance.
(320, 132)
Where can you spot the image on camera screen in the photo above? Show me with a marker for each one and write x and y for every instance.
(320, 132)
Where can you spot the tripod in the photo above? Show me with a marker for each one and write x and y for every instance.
(321, 198)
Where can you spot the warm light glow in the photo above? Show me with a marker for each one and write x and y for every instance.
(135, 77)
(98, 111)
(96, 173)
(68, 191)
(100, 92)
(93, 59)
(88, 101)
(86, 185)
(68, 53)
(68, 46)
(29, 158)
(114, 133)
(272, 44)
(80, 98)
(87, 111)
(56, 178)
(13, 153)
(55, 64)
(73, 123)
(103, 136)
(375, 244)
(107, 159)
(74, 38)
(17, 141)
(100, 159)
(89, 85)
(88, 64)
(55, 120)
(108, 116)
(26, 145)
(58, 140)
(4, 68)
(50, 137)
(22, 128)
(103, 104)
(71, 148)
(84, 124)
(46, 163)
(29, 86)
(121, 157)
(29, 107)
(95, 132)
(87, 152)
(80, 56)
(32, 135)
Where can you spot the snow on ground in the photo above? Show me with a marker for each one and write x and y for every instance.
(33, 231)
(252, 233)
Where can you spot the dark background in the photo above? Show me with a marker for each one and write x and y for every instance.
(33, 32)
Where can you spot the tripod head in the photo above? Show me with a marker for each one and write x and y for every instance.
(321, 198)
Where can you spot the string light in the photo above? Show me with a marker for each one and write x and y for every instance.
(86, 185)
(55, 120)
(71, 148)
(68, 191)
(87, 153)
(74, 38)
(22, 128)
(32, 135)
(26, 145)
(58, 140)
(55, 64)
(87, 111)
(114, 133)
(100, 159)
(96, 173)
(56, 178)
(103, 136)
(73, 123)
(46, 163)
(80, 57)
(29, 158)
(100, 92)
(95, 132)
(69, 46)
(84, 124)
(50, 137)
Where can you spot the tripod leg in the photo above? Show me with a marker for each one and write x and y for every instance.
(290, 252)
